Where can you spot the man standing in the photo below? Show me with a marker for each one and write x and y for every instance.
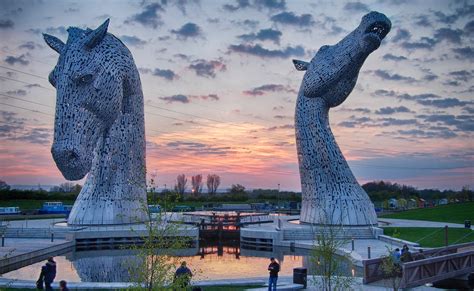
(183, 275)
(274, 268)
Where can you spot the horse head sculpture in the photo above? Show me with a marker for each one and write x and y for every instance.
(99, 125)
(330, 193)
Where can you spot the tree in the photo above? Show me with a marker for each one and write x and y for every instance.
(196, 182)
(180, 186)
(237, 188)
(328, 264)
(213, 182)
(391, 270)
(155, 260)
(4, 185)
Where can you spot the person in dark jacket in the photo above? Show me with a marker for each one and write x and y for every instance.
(183, 275)
(63, 286)
(48, 273)
(274, 268)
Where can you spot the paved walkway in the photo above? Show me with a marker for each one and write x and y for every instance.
(18, 246)
(392, 222)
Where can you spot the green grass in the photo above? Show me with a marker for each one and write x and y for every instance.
(431, 237)
(455, 213)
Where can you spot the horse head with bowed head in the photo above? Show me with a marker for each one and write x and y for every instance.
(330, 192)
(99, 126)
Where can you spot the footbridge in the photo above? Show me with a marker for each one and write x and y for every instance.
(438, 264)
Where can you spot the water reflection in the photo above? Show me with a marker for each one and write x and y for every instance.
(207, 261)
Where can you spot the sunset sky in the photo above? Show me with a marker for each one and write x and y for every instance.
(220, 87)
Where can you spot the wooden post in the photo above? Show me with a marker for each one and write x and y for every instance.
(446, 235)
(3, 240)
(352, 244)
(368, 252)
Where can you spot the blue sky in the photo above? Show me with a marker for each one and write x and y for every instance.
(220, 88)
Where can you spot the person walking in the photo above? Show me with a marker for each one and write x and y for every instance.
(183, 275)
(274, 268)
(48, 273)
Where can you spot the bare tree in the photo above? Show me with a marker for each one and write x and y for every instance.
(196, 182)
(180, 186)
(213, 182)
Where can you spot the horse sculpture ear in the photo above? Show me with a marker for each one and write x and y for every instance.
(97, 35)
(54, 42)
(301, 65)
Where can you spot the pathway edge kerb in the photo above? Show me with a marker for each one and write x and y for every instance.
(7, 262)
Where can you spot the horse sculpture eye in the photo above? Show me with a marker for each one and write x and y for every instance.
(86, 79)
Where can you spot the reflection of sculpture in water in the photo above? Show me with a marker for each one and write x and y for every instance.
(330, 192)
(99, 126)
(103, 268)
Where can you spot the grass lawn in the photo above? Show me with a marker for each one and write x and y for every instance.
(422, 235)
(455, 213)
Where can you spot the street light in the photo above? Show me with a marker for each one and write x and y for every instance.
(278, 196)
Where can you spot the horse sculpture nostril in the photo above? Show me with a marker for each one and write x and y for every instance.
(72, 155)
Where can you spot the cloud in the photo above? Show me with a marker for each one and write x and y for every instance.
(29, 86)
(196, 148)
(396, 122)
(393, 77)
(361, 110)
(176, 98)
(422, 20)
(167, 74)
(461, 75)
(263, 34)
(278, 108)
(240, 4)
(57, 30)
(262, 90)
(460, 122)
(444, 103)
(289, 18)
(353, 122)
(392, 110)
(14, 128)
(424, 43)
(6, 23)
(270, 4)
(281, 117)
(280, 127)
(133, 40)
(356, 7)
(29, 45)
(469, 28)
(418, 133)
(19, 92)
(189, 30)
(449, 35)
(402, 35)
(12, 60)
(207, 69)
(258, 50)
(149, 16)
(464, 53)
(390, 57)
(211, 97)
(444, 18)
(35, 135)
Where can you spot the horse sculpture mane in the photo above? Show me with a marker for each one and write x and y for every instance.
(99, 126)
(330, 193)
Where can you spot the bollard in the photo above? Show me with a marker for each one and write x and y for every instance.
(353, 245)
(368, 252)
(3, 240)
(446, 235)
(52, 236)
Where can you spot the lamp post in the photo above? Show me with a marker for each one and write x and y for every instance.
(278, 196)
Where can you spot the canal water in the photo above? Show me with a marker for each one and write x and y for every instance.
(212, 262)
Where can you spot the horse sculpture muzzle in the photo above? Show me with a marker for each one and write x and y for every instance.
(72, 164)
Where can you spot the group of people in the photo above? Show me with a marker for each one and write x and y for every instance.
(404, 255)
(47, 276)
(182, 276)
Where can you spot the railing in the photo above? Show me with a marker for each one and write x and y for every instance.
(435, 269)
(436, 260)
